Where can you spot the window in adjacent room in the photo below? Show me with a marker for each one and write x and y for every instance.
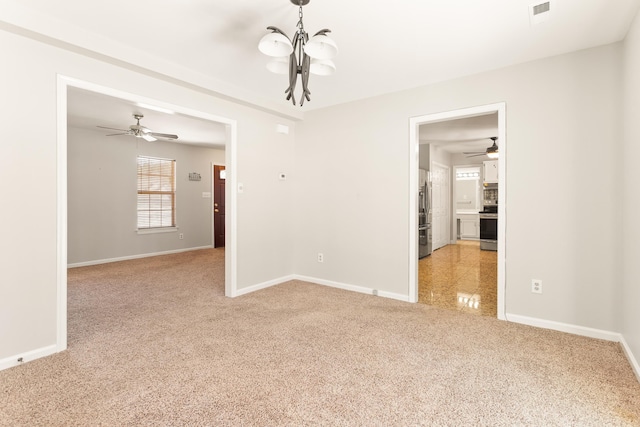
(156, 193)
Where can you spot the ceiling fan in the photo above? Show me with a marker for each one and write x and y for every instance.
(140, 131)
(491, 152)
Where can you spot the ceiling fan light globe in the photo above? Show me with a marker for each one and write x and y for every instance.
(492, 155)
(275, 44)
(322, 67)
(321, 46)
(279, 65)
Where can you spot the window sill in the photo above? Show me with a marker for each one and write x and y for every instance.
(157, 230)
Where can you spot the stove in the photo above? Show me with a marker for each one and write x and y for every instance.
(489, 228)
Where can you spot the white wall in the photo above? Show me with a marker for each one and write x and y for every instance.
(28, 174)
(424, 152)
(630, 201)
(102, 201)
(441, 156)
(354, 194)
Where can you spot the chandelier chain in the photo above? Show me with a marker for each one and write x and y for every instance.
(300, 24)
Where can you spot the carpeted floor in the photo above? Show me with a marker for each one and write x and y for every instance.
(154, 342)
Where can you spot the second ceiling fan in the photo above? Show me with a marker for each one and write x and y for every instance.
(491, 152)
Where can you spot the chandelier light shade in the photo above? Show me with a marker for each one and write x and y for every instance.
(321, 46)
(275, 44)
(322, 67)
(279, 65)
(300, 55)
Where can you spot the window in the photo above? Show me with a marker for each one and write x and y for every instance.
(156, 193)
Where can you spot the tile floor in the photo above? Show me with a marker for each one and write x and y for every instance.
(460, 277)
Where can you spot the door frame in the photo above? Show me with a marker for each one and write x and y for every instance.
(414, 145)
(231, 159)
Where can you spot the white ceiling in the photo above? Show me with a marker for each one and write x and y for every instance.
(87, 110)
(384, 46)
(461, 135)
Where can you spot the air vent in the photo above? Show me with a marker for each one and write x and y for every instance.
(540, 8)
(541, 12)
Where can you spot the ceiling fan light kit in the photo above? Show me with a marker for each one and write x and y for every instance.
(300, 55)
(492, 152)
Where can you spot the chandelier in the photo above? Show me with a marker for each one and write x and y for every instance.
(300, 55)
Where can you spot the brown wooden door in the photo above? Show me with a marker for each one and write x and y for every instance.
(218, 205)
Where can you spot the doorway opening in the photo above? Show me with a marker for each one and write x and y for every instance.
(229, 130)
(498, 109)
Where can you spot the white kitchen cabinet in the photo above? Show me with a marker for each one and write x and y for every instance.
(469, 226)
(490, 168)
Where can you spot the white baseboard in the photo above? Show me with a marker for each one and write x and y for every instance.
(263, 285)
(138, 256)
(632, 360)
(19, 359)
(565, 327)
(315, 280)
(583, 331)
(352, 288)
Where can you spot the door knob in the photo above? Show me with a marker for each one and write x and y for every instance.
(215, 204)
(216, 210)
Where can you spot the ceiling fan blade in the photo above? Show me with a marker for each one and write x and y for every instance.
(477, 155)
(474, 152)
(163, 135)
(122, 130)
(140, 131)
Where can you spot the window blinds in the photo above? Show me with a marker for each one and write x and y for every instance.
(156, 192)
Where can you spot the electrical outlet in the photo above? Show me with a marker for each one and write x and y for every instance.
(320, 257)
(181, 236)
(536, 286)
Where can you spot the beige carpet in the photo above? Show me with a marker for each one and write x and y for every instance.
(154, 342)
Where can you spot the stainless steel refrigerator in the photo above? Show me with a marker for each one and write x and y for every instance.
(424, 215)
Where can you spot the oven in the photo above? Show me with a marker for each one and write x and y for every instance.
(490, 195)
(489, 230)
